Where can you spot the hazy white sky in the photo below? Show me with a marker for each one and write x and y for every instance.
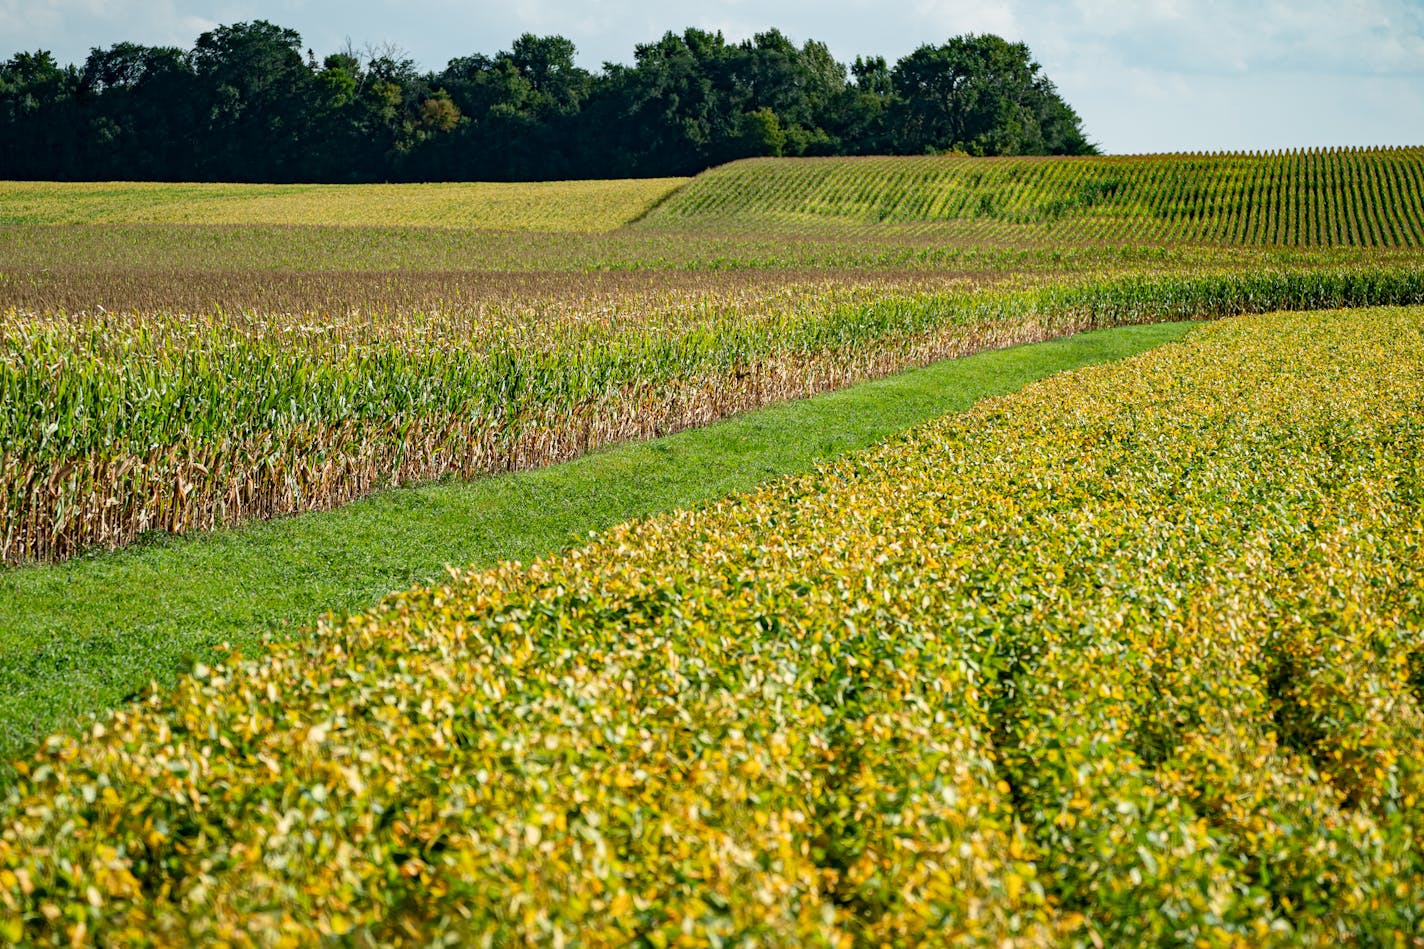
(1145, 75)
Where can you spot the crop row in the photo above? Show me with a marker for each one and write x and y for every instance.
(1128, 658)
(1363, 198)
(39, 265)
(113, 425)
(582, 206)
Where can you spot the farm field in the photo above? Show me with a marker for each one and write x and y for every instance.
(182, 377)
(78, 637)
(580, 206)
(1369, 198)
(127, 423)
(1129, 657)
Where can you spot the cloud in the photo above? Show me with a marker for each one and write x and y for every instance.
(1211, 36)
(954, 17)
(1199, 75)
(70, 28)
(193, 27)
(20, 18)
(1158, 114)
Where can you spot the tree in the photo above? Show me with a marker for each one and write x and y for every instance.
(39, 118)
(759, 133)
(798, 85)
(520, 110)
(872, 76)
(546, 63)
(670, 113)
(140, 110)
(983, 95)
(256, 95)
(248, 102)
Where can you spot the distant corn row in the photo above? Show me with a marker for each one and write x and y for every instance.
(114, 425)
(1362, 198)
(387, 296)
(49, 267)
(584, 206)
(1129, 658)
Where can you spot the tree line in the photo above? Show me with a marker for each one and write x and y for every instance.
(246, 103)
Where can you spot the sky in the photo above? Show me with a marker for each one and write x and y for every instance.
(1144, 75)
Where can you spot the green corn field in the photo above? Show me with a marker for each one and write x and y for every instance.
(1309, 198)
(121, 424)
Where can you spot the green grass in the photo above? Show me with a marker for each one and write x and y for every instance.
(82, 636)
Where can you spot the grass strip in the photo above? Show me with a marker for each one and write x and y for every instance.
(85, 635)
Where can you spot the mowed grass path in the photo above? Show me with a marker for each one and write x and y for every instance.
(577, 206)
(82, 636)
